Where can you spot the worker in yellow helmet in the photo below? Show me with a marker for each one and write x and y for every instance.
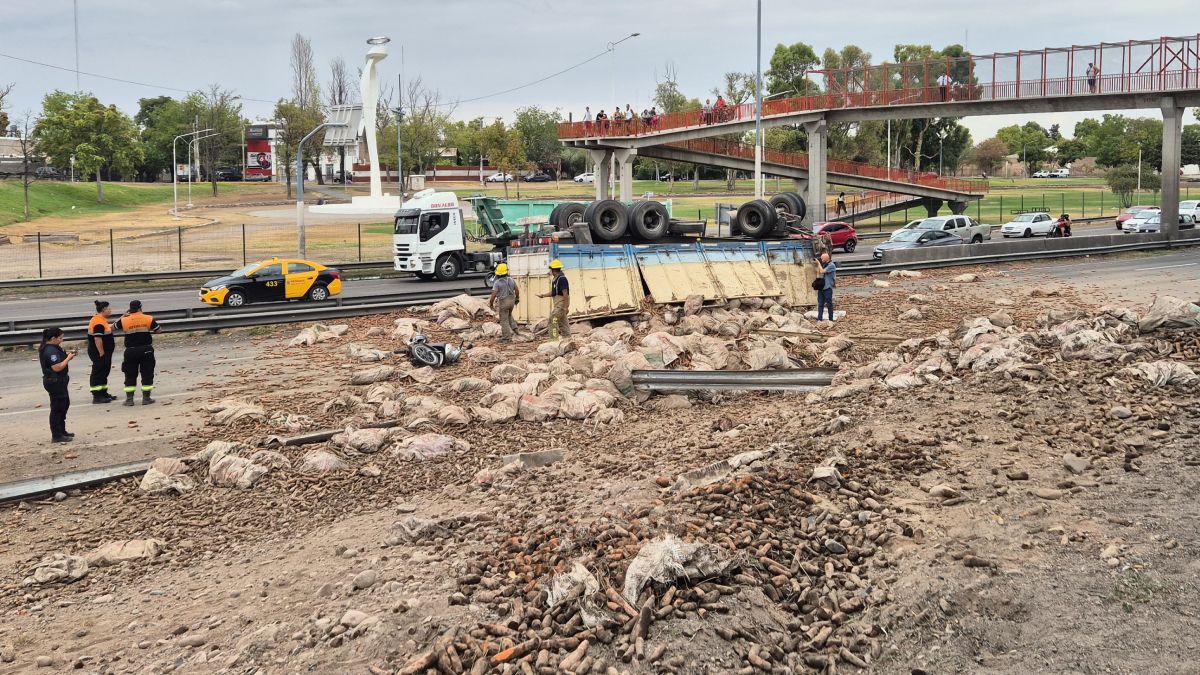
(560, 295)
(504, 298)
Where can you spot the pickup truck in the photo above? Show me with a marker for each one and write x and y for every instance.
(962, 226)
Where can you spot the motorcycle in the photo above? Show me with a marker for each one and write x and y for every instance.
(422, 352)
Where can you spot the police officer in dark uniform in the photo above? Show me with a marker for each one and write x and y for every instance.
(100, 347)
(55, 361)
(139, 351)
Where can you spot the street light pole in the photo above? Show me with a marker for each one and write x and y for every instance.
(758, 136)
(302, 246)
(1139, 182)
(612, 49)
(196, 142)
(941, 142)
(175, 167)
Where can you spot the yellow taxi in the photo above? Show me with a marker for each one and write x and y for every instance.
(273, 280)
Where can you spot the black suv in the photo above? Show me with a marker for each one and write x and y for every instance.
(539, 178)
(229, 174)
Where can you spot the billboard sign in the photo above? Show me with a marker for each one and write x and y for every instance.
(261, 159)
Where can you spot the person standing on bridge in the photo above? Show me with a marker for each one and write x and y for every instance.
(100, 347)
(944, 83)
(55, 362)
(560, 295)
(1092, 73)
(139, 332)
(827, 270)
(504, 298)
(587, 121)
(841, 204)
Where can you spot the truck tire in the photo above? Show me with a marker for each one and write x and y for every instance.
(649, 220)
(447, 268)
(609, 220)
(756, 219)
(566, 215)
(789, 203)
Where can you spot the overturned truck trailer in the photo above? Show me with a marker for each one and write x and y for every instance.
(615, 280)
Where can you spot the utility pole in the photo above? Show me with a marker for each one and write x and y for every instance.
(77, 87)
(302, 246)
(758, 136)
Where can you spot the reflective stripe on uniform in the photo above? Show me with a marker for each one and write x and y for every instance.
(99, 387)
(130, 390)
(147, 387)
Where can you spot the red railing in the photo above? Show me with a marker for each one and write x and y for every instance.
(1139, 66)
(713, 146)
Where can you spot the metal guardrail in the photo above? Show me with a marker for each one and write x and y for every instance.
(802, 379)
(159, 276)
(264, 316)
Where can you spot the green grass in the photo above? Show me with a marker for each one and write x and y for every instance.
(59, 198)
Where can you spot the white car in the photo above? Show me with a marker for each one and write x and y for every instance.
(1041, 174)
(1027, 225)
(500, 178)
(1060, 173)
(1140, 218)
(1154, 223)
(1190, 207)
(586, 178)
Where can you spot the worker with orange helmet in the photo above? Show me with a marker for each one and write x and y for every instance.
(504, 298)
(560, 295)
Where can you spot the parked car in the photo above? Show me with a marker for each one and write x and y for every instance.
(47, 172)
(586, 178)
(1154, 223)
(841, 235)
(1190, 207)
(916, 238)
(1041, 174)
(963, 226)
(1027, 225)
(257, 177)
(500, 178)
(1129, 213)
(1131, 225)
(1060, 173)
(539, 178)
(229, 173)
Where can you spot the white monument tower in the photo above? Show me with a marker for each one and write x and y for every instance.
(378, 202)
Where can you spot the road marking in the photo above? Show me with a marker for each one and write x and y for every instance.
(47, 410)
(1163, 267)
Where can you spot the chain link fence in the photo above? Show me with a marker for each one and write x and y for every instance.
(206, 247)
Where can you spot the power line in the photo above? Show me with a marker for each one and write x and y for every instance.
(115, 79)
(528, 84)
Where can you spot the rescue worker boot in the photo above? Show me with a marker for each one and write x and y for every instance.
(146, 400)
(129, 398)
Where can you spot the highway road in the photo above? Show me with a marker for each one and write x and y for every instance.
(75, 304)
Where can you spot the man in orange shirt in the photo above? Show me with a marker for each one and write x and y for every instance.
(139, 351)
(100, 347)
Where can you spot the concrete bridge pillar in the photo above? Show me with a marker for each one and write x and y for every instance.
(1171, 148)
(800, 187)
(818, 152)
(602, 163)
(957, 208)
(624, 158)
(932, 206)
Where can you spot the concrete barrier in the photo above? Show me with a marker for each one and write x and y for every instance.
(1033, 245)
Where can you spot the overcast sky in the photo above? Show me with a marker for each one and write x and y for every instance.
(472, 48)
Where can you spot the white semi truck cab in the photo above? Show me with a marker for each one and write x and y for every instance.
(431, 242)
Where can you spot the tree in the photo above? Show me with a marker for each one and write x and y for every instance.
(25, 143)
(1114, 140)
(1190, 149)
(425, 120)
(989, 155)
(297, 122)
(340, 92)
(789, 70)
(1123, 181)
(466, 136)
(5, 90)
(160, 119)
(219, 111)
(539, 130)
(1069, 151)
(1028, 142)
(306, 95)
(101, 138)
(738, 88)
(669, 98)
(505, 148)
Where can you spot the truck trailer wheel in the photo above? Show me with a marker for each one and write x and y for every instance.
(608, 221)
(756, 219)
(447, 268)
(566, 215)
(649, 220)
(789, 203)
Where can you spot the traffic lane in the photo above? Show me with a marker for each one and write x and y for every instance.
(864, 251)
(83, 307)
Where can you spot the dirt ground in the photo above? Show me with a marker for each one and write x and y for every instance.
(1035, 519)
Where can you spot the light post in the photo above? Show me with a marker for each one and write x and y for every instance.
(1139, 182)
(1025, 159)
(758, 137)
(175, 167)
(612, 49)
(399, 112)
(196, 142)
(72, 168)
(941, 141)
(301, 245)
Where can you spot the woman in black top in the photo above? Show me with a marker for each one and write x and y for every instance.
(55, 361)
